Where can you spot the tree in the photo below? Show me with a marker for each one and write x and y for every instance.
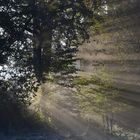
(38, 37)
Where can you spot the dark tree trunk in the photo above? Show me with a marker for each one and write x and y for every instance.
(42, 53)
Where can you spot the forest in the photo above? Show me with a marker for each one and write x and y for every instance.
(69, 69)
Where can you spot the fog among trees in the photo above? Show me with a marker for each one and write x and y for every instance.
(70, 69)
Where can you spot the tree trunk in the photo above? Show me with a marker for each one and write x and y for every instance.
(42, 54)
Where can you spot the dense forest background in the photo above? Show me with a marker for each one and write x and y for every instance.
(113, 55)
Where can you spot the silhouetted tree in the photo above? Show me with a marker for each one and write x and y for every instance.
(38, 37)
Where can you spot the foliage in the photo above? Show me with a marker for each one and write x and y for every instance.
(38, 37)
(97, 93)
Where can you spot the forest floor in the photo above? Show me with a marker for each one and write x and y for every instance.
(58, 107)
